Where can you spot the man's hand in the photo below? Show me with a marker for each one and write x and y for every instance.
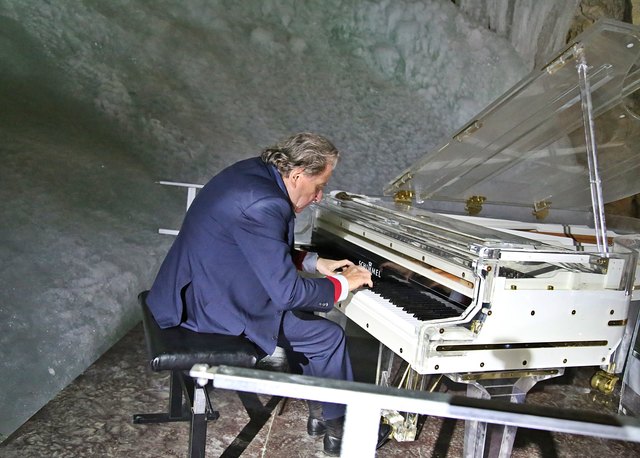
(357, 276)
(331, 266)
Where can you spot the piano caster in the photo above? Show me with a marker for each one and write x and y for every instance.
(603, 381)
(403, 426)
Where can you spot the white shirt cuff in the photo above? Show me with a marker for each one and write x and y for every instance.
(310, 262)
(344, 286)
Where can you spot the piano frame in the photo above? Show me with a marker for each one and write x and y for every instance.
(507, 219)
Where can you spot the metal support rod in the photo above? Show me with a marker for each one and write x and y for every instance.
(592, 154)
(360, 429)
(198, 428)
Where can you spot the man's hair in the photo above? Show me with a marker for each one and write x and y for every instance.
(310, 151)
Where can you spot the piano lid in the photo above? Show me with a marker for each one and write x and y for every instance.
(528, 148)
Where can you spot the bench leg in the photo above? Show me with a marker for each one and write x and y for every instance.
(198, 429)
(175, 412)
(180, 388)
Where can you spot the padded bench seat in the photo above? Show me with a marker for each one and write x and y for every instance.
(179, 349)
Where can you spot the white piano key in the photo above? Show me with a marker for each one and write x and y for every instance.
(386, 310)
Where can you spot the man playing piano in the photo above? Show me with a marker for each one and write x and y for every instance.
(233, 269)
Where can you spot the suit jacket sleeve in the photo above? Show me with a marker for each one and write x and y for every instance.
(262, 235)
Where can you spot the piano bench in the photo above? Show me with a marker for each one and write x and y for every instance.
(177, 349)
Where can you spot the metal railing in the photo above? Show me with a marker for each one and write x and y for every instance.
(192, 189)
(365, 401)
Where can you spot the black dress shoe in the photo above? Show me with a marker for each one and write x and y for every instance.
(315, 423)
(333, 436)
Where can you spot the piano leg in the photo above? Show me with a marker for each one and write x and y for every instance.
(395, 372)
(483, 439)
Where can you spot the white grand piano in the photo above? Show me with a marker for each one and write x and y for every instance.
(492, 260)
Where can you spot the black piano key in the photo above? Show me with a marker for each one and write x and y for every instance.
(420, 303)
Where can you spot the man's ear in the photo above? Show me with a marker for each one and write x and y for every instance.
(296, 174)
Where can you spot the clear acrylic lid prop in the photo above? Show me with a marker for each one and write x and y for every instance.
(565, 137)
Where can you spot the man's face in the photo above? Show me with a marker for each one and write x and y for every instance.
(304, 189)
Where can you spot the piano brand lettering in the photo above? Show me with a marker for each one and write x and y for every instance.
(369, 266)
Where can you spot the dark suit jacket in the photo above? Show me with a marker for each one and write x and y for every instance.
(231, 266)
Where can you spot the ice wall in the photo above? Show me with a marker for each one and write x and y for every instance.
(536, 29)
(77, 214)
(99, 99)
(210, 81)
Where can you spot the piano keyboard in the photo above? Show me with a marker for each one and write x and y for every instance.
(366, 307)
(399, 305)
(422, 304)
